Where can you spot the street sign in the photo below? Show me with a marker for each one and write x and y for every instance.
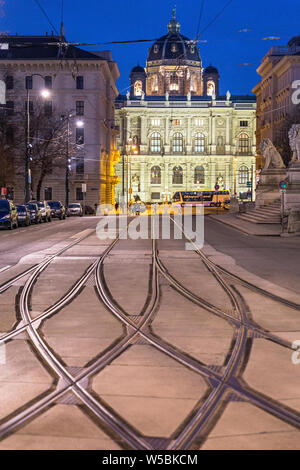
(283, 184)
(83, 187)
(3, 191)
(217, 187)
(249, 184)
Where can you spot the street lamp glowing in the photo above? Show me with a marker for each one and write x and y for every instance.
(45, 93)
(79, 123)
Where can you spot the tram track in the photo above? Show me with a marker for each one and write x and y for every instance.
(136, 328)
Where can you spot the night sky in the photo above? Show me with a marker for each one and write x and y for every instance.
(118, 20)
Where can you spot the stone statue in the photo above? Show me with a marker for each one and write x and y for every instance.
(294, 139)
(167, 96)
(128, 95)
(143, 95)
(228, 95)
(189, 96)
(271, 155)
(213, 95)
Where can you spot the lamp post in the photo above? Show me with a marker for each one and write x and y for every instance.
(45, 94)
(134, 149)
(79, 124)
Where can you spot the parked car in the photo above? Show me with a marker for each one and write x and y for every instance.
(75, 208)
(35, 213)
(8, 214)
(23, 215)
(45, 210)
(57, 209)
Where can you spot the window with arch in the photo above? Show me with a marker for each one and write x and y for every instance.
(155, 175)
(199, 142)
(155, 83)
(210, 90)
(138, 88)
(243, 175)
(177, 175)
(155, 142)
(177, 142)
(199, 175)
(243, 143)
(174, 82)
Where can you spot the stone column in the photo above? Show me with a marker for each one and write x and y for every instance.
(213, 175)
(227, 176)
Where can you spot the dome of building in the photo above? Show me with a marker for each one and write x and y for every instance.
(138, 69)
(174, 45)
(211, 69)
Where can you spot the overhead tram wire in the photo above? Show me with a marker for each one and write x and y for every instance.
(46, 15)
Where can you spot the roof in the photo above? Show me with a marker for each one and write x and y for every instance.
(41, 47)
(211, 69)
(174, 45)
(138, 69)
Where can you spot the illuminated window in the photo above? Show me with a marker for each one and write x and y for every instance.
(155, 175)
(177, 122)
(177, 142)
(174, 84)
(199, 142)
(173, 47)
(155, 143)
(199, 122)
(244, 144)
(243, 175)
(155, 122)
(210, 88)
(155, 49)
(199, 175)
(155, 83)
(138, 88)
(177, 175)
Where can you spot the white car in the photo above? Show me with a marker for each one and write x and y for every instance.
(75, 208)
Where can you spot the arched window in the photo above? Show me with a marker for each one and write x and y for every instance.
(155, 175)
(138, 88)
(199, 175)
(155, 83)
(243, 175)
(178, 142)
(199, 142)
(174, 84)
(155, 142)
(210, 90)
(177, 175)
(243, 143)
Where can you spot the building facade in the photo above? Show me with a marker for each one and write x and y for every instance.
(81, 85)
(177, 132)
(279, 69)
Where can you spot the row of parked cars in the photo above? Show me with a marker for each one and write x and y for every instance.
(35, 212)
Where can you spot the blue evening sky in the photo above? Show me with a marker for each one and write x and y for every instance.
(96, 20)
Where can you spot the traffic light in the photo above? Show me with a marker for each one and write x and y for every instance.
(283, 184)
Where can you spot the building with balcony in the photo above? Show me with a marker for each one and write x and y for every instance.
(81, 85)
(177, 132)
(279, 69)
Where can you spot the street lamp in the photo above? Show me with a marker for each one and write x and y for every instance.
(79, 123)
(45, 94)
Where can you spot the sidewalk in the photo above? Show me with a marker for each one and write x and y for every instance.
(271, 230)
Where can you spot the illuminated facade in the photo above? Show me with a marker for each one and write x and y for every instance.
(186, 136)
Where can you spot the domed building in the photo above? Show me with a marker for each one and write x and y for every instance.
(177, 132)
